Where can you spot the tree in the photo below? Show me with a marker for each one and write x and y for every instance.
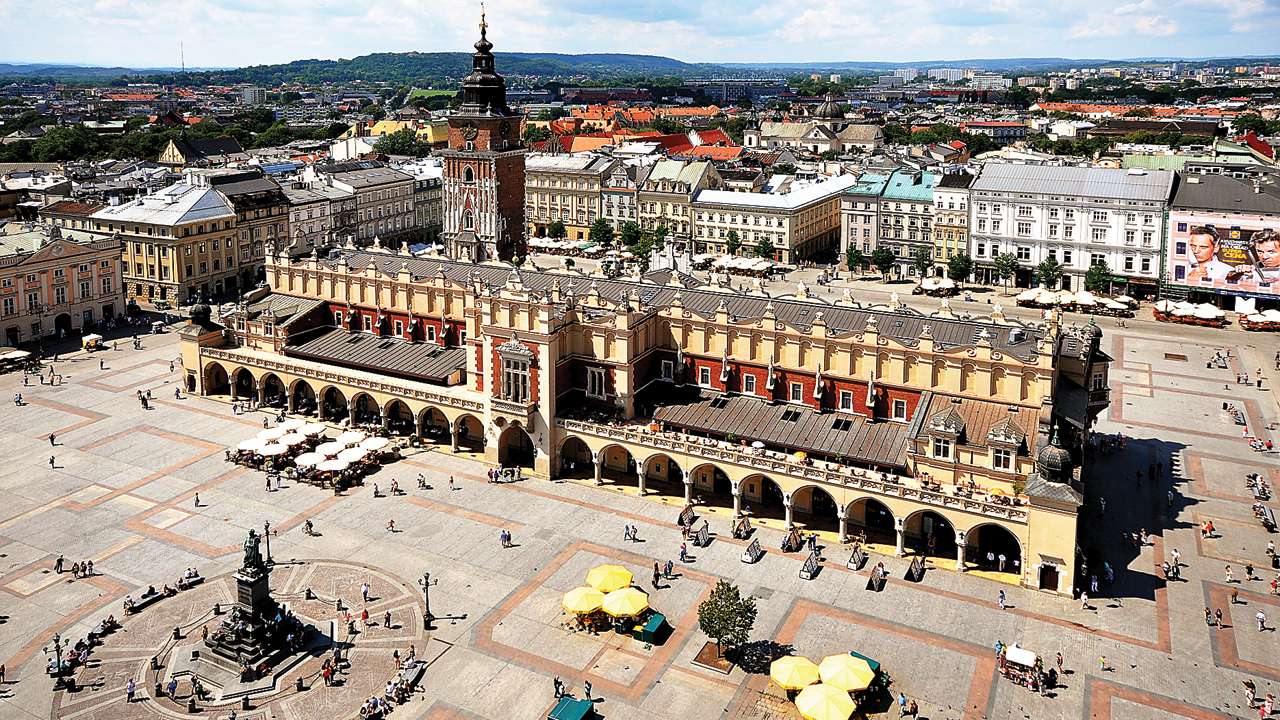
(536, 133)
(1098, 277)
(556, 230)
(602, 233)
(402, 142)
(1049, 273)
(1006, 268)
(854, 258)
(630, 234)
(727, 617)
(732, 243)
(883, 258)
(960, 267)
(764, 248)
(922, 260)
(659, 238)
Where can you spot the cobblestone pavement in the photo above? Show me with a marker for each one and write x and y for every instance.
(122, 489)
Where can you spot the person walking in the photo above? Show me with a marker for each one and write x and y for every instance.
(364, 617)
(1059, 661)
(1000, 598)
(57, 565)
(51, 466)
(586, 689)
(1217, 617)
(451, 486)
(1235, 596)
(386, 620)
(129, 688)
(1177, 556)
(1230, 575)
(1261, 617)
(391, 526)
(197, 499)
(684, 553)
(1248, 571)
(52, 440)
(364, 592)
(670, 567)
(1084, 601)
(1208, 617)
(1102, 664)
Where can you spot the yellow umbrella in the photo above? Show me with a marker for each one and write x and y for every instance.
(607, 578)
(825, 702)
(997, 491)
(627, 602)
(846, 672)
(793, 672)
(583, 600)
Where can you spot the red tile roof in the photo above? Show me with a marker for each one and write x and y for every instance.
(1258, 144)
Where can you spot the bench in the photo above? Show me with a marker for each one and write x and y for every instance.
(1267, 517)
(145, 600)
(186, 583)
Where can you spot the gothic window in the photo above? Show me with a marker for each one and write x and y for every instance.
(468, 221)
(468, 175)
(515, 380)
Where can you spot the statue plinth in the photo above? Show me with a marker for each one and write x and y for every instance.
(257, 627)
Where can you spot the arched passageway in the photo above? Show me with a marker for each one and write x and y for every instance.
(333, 405)
(215, 380)
(242, 385)
(399, 418)
(575, 460)
(930, 534)
(365, 411)
(992, 547)
(873, 520)
(470, 433)
(515, 448)
(273, 392)
(815, 509)
(433, 427)
(303, 398)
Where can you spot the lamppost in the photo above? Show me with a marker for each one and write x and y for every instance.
(57, 660)
(266, 533)
(426, 582)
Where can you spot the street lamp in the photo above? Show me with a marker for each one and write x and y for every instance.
(425, 583)
(266, 533)
(57, 660)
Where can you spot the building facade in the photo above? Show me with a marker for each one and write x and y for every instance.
(797, 225)
(906, 217)
(565, 189)
(1077, 216)
(860, 215)
(618, 196)
(56, 282)
(950, 218)
(665, 198)
(1224, 237)
(177, 245)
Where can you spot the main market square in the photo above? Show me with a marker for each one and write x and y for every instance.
(458, 487)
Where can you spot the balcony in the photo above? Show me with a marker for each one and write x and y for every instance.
(781, 464)
(1100, 396)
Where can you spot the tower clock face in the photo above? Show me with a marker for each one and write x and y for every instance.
(470, 132)
(504, 128)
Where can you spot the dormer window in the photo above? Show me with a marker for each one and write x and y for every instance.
(942, 448)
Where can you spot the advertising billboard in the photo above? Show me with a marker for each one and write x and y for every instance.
(1234, 258)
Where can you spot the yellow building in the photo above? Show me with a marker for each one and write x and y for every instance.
(564, 188)
(177, 244)
(941, 436)
(950, 218)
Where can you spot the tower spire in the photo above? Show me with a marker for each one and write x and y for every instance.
(483, 25)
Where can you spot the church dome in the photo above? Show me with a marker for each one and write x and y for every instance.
(829, 109)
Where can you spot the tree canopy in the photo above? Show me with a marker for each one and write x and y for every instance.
(883, 258)
(726, 616)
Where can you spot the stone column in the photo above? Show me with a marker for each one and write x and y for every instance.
(453, 436)
(598, 461)
(688, 491)
(786, 502)
(737, 502)
(960, 540)
(640, 480)
(844, 527)
(900, 551)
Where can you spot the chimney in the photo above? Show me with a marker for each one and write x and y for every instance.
(1257, 186)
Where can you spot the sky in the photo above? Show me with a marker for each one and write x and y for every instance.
(224, 33)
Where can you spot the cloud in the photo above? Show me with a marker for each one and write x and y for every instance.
(141, 33)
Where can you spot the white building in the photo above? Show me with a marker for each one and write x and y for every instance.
(947, 74)
(1078, 216)
(796, 225)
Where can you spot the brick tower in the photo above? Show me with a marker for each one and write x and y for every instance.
(484, 167)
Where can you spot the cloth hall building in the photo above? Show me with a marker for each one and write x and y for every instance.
(957, 438)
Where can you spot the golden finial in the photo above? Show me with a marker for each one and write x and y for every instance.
(483, 25)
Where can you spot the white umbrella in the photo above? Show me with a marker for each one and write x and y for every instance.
(251, 445)
(332, 466)
(1207, 312)
(1126, 300)
(1257, 318)
(351, 437)
(1112, 304)
(1163, 306)
(1271, 315)
(1085, 299)
(1028, 295)
(272, 450)
(351, 455)
(757, 445)
(312, 429)
(330, 449)
(309, 459)
(928, 284)
(292, 439)
(946, 283)
(292, 424)
(1065, 297)
(374, 444)
(272, 434)
(1183, 311)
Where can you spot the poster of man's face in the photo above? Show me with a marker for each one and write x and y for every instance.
(1229, 257)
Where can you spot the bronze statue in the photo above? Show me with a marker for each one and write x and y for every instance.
(252, 555)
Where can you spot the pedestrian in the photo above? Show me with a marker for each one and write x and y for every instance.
(1002, 559)
(386, 620)
(1250, 692)
(1102, 664)
(129, 689)
(364, 592)
(102, 365)
(1217, 617)
(1208, 617)
(1000, 598)
(50, 462)
(557, 687)
(451, 487)
(1059, 661)
(1177, 556)
(1084, 601)
(586, 689)
(1093, 584)
(655, 578)
(172, 689)
(1248, 571)
(268, 483)
(1235, 596)
(391, 526)
(1261, 617)
(197, 499)
(902, 705)
(266, 422)
(57, 565)
(684, 553)
(671, 566)
(170, 366)
(1230, 576)
(364, 617)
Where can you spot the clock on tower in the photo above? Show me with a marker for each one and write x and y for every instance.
(484, 167)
